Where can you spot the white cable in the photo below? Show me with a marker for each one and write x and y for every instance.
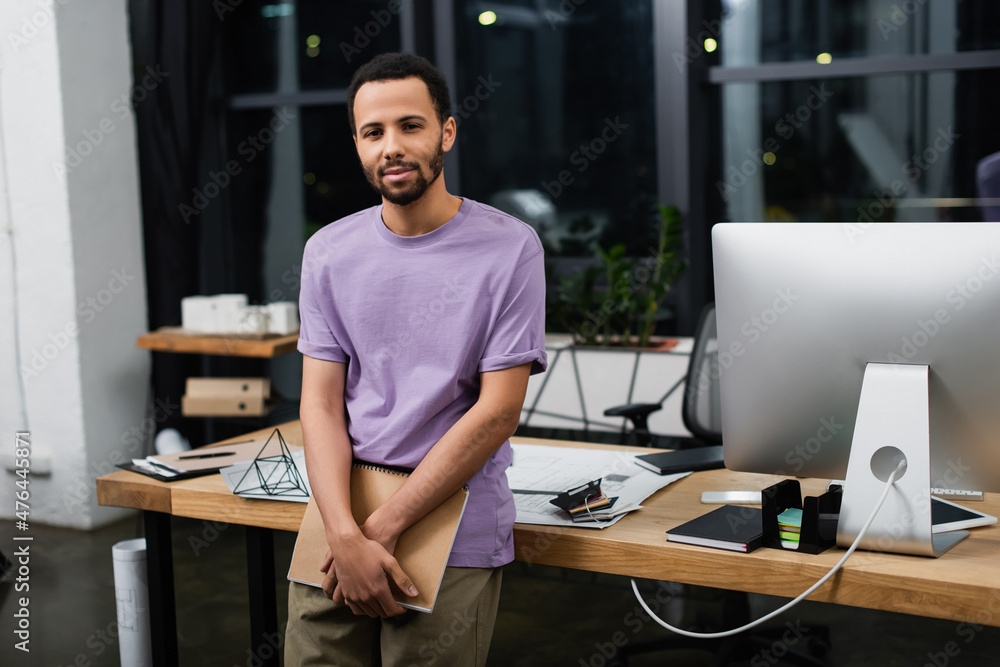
(593, 517)
(792, 603)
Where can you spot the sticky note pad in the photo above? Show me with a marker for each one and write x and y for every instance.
(790, 527)
(791, 517)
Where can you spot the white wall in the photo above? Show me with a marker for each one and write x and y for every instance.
(72, 243)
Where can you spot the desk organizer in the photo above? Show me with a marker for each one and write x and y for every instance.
(567, 500)
(819, 516)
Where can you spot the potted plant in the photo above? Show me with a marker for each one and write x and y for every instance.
(618, 302)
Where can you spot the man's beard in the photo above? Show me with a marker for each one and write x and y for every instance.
(414, 191)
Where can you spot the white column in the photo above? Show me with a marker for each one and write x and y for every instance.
(72, 242)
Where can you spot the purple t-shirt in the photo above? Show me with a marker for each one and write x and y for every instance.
(416, 320)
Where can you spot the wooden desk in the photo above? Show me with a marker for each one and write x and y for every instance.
(964, 585)
(175, 339)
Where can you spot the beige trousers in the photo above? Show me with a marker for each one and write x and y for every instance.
(457, 634)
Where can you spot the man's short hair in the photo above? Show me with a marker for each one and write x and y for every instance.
(396, 66)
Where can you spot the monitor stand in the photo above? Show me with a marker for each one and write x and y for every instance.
(893, 424)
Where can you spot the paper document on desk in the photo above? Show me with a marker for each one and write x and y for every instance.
(547, 468)
(234, 473)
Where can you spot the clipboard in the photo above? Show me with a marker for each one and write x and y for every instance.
(128, 465)
(213, 458)
(209, 460)
(422, 550)
(196, 462)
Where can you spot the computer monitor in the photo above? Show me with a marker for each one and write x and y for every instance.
(844, 347)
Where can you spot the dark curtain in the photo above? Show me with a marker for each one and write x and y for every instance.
(192, 245)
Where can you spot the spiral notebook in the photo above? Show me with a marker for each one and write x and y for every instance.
(422, 550)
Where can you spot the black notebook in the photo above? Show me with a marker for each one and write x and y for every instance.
(682, 460)
(737, 528)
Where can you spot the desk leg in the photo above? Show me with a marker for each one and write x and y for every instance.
(160, 581)
(264, 637)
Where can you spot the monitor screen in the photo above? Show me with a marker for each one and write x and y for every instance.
(804, 308)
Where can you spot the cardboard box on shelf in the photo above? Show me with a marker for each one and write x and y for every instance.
(226, 397)
(284, 317)
(220, 313)
(231, 314)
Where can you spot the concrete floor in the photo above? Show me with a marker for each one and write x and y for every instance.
(548, 616)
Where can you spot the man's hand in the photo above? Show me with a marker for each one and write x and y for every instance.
(380, 533)
(330, 580)
(386, 538)
(362, 576)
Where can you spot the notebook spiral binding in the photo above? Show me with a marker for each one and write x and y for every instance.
(392, 470)
(366, 465)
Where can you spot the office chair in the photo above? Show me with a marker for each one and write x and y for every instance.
(988, 182)
(700, 408)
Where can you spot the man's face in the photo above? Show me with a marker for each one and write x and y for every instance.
(400, 142)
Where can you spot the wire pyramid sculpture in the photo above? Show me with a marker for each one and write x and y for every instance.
(274, 475)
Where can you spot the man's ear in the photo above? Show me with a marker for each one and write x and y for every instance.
(448, 133)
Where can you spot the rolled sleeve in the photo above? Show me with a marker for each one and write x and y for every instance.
(518, 335)
(316, 338)
(322, 352)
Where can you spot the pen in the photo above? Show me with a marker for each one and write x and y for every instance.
(536, 492)
(205, 456)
